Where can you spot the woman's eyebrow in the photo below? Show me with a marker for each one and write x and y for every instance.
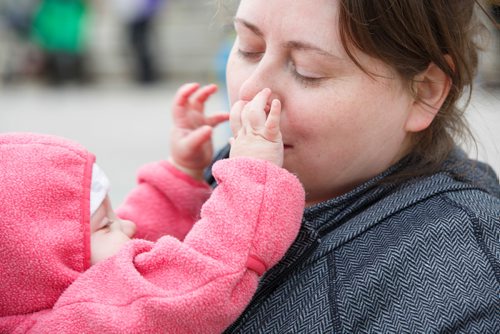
(305, 46)
(249, 25)
(297, 45)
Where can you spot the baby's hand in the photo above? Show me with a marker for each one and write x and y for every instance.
(257, 135)
(191, 137)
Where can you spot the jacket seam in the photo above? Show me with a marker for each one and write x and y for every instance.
(332, 291)
(478, 232)
(85, 208)
(251, 249)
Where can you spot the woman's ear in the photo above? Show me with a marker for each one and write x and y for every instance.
(431, 88)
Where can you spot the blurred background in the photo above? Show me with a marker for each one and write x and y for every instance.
(104, 72)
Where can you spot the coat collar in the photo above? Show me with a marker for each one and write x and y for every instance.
(457, 173)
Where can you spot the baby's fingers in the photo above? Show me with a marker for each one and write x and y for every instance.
(202, 95)
(254, 114)
(272, 126)
(198, 137)
(214, 120)
(184, 93)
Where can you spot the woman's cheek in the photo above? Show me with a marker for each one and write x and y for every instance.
(232, 84)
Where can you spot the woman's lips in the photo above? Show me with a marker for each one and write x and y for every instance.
(286, 146)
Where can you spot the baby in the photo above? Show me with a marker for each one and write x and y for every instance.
(68, 262)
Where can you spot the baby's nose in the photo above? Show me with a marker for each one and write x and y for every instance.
(129, 228)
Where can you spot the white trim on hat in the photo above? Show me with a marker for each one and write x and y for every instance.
(98, 189)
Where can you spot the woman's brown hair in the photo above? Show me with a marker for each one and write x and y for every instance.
(409, 35)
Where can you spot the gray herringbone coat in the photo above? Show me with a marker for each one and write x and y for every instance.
(418, 257)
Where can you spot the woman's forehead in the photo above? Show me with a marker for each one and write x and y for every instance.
(311, 22)
(290, 13)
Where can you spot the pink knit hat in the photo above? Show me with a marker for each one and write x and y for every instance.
(44, 219)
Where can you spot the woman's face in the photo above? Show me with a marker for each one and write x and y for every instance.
(340, 126)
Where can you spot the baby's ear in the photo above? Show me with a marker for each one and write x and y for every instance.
(431, 87)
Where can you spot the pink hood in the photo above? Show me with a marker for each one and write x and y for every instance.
(44, 219)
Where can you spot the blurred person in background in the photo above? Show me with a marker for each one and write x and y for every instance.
(495, 10)
(222, 57)
(17, 59)
(59, 29)
(138, 18)
(490, 62)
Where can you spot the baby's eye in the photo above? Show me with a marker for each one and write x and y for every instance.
(107, 224)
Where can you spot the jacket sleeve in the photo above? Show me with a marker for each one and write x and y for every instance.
(165, 202)
(200, 285)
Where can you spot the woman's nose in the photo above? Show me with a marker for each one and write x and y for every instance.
(128, 228)
(260, 77)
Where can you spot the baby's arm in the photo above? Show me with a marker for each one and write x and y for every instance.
(166, 201)
(169, 195)
(203, 283)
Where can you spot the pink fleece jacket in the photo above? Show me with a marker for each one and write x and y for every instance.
(198, 285)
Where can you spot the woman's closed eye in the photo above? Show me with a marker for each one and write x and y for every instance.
(303, 78)
(250, 55)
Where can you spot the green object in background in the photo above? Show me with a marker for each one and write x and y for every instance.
(59, 25)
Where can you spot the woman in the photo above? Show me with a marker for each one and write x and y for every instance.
(401, 232)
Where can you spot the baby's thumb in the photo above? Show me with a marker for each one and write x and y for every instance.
(198, 137)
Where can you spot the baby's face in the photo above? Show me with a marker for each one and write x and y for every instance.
(108, 232)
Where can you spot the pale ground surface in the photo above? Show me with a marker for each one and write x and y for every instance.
(127, 126)
(124, 125)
